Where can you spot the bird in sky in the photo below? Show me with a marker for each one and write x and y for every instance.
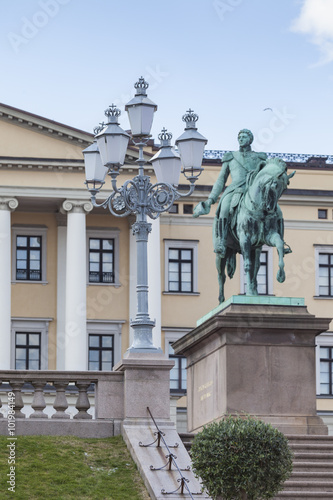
(266, 109)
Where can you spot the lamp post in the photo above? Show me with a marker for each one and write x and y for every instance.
(138, 196)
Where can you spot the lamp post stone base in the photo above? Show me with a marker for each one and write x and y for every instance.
(146, 379)
(254, 356)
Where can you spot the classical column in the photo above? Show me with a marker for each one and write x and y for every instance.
(76, 284)
(61, 290)
(6, 206)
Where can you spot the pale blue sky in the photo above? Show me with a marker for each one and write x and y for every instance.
(228, 60)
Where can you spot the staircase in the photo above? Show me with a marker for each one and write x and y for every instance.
(312, 476)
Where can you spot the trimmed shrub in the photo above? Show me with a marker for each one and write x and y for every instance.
(241, 458)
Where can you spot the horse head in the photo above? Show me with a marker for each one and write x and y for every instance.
(268, 183)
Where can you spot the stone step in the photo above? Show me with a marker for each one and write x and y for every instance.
(311, 447)
(307, 486)
(314, 476)
(309, 439)
(312, 466)
(317, 457)
(303, 495)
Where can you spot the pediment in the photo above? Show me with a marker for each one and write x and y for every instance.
(25, 135)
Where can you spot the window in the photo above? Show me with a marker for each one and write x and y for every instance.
(103, 256)
(104, 343)
(29, 344)
(325, 274)
(28, 258)
(101, 352)
(173, 209)
(326, 370)
(180, 270)
(181, 266)
(101, 260)
(324, 271)
(178, 372)
(29, 254)
(265, 273)
(322, 213)
(187, 209)
(27, 351)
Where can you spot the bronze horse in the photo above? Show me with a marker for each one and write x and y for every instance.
(256, 221)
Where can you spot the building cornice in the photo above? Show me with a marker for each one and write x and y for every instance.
(61, 164)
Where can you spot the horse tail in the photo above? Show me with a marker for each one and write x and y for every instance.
(231, 264)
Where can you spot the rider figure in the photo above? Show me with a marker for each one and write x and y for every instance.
(238, 164)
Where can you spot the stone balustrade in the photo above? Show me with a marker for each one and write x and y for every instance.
(106, 389)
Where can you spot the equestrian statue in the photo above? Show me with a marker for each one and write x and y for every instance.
(248, 215)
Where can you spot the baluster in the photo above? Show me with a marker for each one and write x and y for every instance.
(16, 386)
(82, 404)
(38, 403)
(60, 403)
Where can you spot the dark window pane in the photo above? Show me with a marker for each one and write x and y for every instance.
(107, 244)
(107, 340)
(21, 274)
(106, 366)
(21, 353)
(33, 354)
(93, 365)
(322, 213)
(94, 340)
(187, 209)
(35, 241)
(21, 339)
(106, 356)
(21, 255)
(94, 257)
(21, 241)
(323, 258)
(325, 352)
(94, 244)
(20, 364)
(93, 355)
(34, 338)
(186, 254)
(173, 254)
(174, 209)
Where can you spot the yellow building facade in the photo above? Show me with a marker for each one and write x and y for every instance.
(69, 270)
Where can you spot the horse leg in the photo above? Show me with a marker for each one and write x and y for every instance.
(245, 245)
(275, 240)
(220, 266)
(255, 264)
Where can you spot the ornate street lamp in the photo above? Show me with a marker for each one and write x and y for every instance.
(138, 196)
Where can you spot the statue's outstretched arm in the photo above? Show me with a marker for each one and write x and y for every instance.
(219, 184)
(203, 208)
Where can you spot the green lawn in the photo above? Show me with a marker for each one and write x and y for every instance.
(70, 468)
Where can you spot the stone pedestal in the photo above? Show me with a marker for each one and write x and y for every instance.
(254, 355)
(146, 384)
